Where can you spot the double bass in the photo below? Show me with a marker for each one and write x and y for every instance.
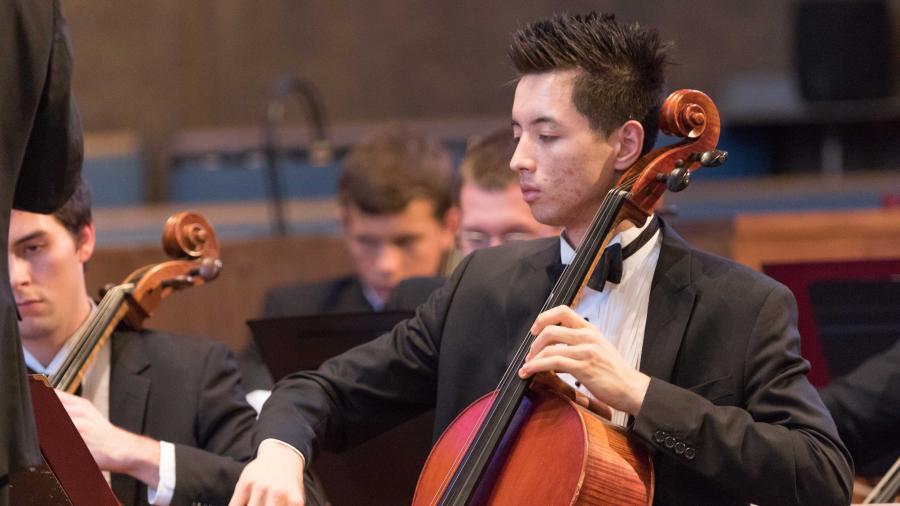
(529, 441)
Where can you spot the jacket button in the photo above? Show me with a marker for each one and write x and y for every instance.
(660, 436)
(680, 447)
(690, 453)
(670, 442)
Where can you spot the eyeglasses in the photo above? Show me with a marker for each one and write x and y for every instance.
(476, 239)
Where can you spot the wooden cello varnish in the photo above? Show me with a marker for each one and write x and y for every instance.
(529, 442)
(595, 461)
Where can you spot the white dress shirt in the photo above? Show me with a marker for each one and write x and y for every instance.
(620, 310)
(95, 388)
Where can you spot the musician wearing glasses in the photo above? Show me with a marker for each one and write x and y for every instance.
(491, 208)
(164, 414)
(490, 202)
(696, 357)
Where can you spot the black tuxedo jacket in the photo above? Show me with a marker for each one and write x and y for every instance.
(866, 406)
(721, 346)
(40, 159)
(185, 391)
(340, 295)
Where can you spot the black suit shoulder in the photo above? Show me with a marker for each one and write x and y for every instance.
(163, 346)
(338, 295)
(411, 292)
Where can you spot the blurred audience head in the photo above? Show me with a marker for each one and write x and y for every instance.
(395, 191)
(492, 209)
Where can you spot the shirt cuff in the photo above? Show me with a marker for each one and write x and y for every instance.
(271, 441)
(257, 398)
(162, 494)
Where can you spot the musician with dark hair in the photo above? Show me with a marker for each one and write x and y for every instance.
(697, 357)
(398, 218)
(164, 414)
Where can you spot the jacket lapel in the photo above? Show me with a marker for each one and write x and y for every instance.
(128, 393)
(531, 284)
(671, 302)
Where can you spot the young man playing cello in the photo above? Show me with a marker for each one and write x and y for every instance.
(164, 414)
(714, 385)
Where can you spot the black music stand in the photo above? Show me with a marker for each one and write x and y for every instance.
(848, 311)
(382, 470)
(69, 476)
(297, 343)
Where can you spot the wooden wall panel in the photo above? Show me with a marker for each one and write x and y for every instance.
(220, 309)
(162, 66)
(816, 236)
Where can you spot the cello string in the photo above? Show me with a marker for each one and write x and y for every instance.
(64, 373)
(564, 291)
(566, 285)
(88, 339)
(569, 281)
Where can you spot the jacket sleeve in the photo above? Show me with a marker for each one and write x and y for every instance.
(781, 447)
(866, 406)
(364, 391)
(208, 472)
(51, 164)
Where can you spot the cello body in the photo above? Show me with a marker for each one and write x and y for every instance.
(556, 452)
(529, 442)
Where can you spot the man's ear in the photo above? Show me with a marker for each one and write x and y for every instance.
(87, 240)
(451, 223)
(630, 138)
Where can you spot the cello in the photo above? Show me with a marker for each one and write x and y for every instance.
(70, 476)
(192, 244)
(529, 441)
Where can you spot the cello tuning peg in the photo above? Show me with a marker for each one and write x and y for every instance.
(209, 268)
(178, 282)
(713, 158)
(678, 179)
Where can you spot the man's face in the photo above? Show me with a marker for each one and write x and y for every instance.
(47, 275)
(565, 168)
(492, 217)
(389, 248)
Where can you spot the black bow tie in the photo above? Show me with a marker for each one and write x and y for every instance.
(609, 268)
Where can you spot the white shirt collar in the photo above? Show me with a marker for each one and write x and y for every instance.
(567, 252)
(35, 365)
(370, 295)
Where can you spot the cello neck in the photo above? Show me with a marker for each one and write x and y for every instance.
(91, 337)
(512, 388)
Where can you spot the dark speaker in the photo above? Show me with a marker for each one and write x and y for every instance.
(843, 49)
